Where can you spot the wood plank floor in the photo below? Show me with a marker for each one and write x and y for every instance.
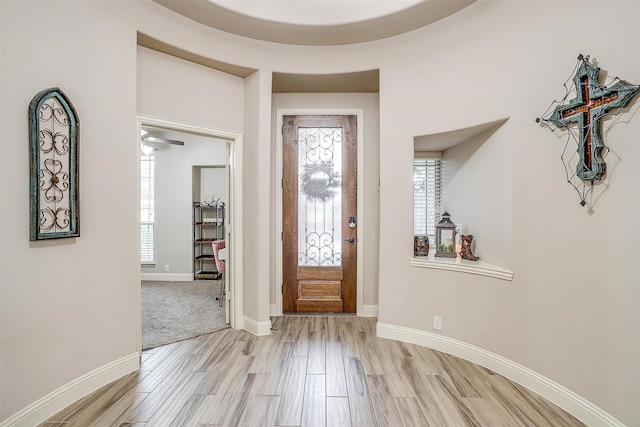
(312, 371)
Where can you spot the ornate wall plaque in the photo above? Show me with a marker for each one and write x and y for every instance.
(53, 149)
(583, 115)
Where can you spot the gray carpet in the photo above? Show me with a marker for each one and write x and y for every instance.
(174, 311)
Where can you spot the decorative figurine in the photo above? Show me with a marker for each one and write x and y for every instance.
(466, 252)
(420, 246)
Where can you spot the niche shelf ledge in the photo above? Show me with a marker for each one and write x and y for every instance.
(480, 268)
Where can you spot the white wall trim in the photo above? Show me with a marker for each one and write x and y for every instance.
(480, 268)
(359, 112)
(235, 281)
(273, 310)
(186, 127)
(167, 277)
(64, 396)
(368, 311)
(579, 407)
(235, 277)
(257, 328)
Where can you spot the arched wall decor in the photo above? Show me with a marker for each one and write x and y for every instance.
(53, 151)
(581, 117)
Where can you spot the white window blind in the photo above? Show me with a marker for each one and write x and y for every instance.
(426, 196)
(147, 254)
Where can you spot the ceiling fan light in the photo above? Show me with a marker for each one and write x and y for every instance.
(147, 149)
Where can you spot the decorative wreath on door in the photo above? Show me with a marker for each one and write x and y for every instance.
(319, 180)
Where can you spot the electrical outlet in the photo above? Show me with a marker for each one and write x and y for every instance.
(166, 267)
(437, 323)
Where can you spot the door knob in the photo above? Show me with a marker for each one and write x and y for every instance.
(350, 240)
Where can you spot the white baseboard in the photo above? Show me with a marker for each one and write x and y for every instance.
(59, 399)
(273, 311)
(368, 311)
(579, 407)
(167, 277)
(257, 328)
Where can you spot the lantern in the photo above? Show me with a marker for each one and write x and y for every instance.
(446, 237)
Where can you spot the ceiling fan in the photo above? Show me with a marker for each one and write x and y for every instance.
(148, 142)
(149, 138)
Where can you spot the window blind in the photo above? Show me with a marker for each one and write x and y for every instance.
(147, 178)
(146, 243)
(426, 196)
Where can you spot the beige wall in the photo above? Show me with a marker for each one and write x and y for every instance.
(571, 314)
(181, 91)
(68, 306)
(257, 198)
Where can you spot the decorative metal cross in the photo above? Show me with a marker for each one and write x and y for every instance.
(591, 103)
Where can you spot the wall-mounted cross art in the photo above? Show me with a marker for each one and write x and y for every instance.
(580, 113)
(53, 148)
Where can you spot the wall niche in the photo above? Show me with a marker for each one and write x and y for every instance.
(476, 191)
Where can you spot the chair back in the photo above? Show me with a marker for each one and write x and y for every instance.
(217, 245)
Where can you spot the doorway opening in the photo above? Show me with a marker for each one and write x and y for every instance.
(230, 146)
(299, 288)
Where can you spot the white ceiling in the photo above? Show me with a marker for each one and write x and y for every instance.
(316, 12)
(316, 22)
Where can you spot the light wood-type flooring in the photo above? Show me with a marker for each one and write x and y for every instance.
(312, 371)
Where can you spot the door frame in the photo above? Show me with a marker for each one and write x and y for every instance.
(276, 310)
(234, 229)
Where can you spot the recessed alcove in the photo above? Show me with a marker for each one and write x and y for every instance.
(352, 82)
(441, 141)
(476, 191)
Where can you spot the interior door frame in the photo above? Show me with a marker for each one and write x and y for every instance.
(276, 310)
(233, 230)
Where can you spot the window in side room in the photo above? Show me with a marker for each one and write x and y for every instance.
(146, 208)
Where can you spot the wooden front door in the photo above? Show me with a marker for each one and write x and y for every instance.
(319, 214)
